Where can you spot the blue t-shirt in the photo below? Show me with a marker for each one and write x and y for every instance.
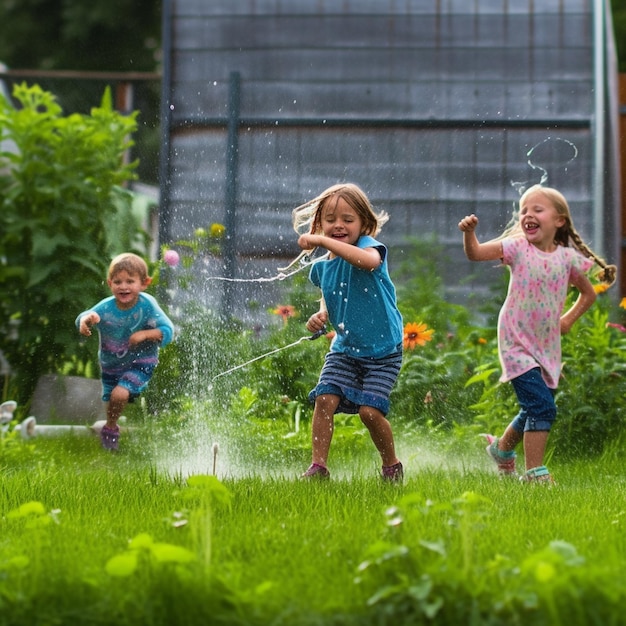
(361, 304)
(117, 325)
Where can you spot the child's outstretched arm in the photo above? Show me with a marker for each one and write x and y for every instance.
(363, 258)
(586, 298)
(86, 322)
(475, 251)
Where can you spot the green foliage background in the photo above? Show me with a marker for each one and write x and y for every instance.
(60, 196)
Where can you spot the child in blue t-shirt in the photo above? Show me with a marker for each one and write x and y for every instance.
(132, 328)
(359, 301)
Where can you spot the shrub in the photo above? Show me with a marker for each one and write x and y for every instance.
(59, 190)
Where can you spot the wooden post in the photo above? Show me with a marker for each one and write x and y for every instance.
(622, 142)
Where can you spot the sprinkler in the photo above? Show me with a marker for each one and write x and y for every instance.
(215, 451)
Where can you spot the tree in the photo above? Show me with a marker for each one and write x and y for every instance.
(60, 189)
(95, 36)
(113, 35)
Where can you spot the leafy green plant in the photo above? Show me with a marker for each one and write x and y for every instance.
(420, 289)
(431, 389)
(593, 384)
(58, 191)
(142, 549)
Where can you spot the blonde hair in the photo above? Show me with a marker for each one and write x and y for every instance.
(130, 263)
(566, 235)
(309, 215)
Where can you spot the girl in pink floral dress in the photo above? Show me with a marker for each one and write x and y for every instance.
(545, 255)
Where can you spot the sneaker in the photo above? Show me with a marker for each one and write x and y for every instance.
(537, 475)
(110, 438)
(316, 471)
(506, 464)
(393, 473)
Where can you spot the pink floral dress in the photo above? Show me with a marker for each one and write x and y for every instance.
(529, 329)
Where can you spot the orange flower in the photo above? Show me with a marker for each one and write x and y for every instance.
(285, 311)
(600, 287)
(416, 335)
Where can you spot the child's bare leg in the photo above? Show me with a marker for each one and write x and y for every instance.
(510, 439)
(323, 426)
(381, 434)
(117, 403)
(535, 447)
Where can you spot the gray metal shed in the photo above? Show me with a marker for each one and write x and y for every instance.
(430, 105)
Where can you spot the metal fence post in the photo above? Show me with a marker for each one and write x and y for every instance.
(229, 247)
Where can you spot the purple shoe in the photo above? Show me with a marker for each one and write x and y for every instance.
(110, 438)
(316, 471)
(393, 473)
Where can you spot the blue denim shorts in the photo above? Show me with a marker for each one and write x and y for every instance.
(536, 400)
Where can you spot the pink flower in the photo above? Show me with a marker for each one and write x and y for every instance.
(618, 326)
(171, 258)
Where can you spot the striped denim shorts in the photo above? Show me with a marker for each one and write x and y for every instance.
(359, 381)
(135, 380)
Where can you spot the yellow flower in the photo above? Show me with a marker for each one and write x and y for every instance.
(623, 303)
(416, 335)
(600, 287)
(216, 231)
(285, 311)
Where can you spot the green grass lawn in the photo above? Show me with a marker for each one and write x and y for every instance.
(142, 538)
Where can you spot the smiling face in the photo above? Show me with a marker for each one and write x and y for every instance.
(126, 288)
(341, 222)
(540, 220)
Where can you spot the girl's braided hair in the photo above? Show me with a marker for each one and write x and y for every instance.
(566, 235)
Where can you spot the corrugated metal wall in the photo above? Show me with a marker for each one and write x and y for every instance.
(430, 105)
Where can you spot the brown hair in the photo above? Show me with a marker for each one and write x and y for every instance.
(310, 213)
(130, 263)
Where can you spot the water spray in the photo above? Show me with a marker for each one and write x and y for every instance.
(565, 150)
(303, 260)
(312, 337)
